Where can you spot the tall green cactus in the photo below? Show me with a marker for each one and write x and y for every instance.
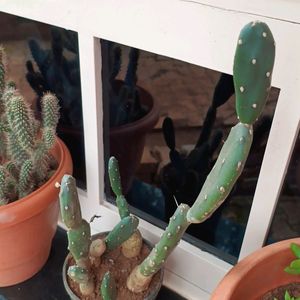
(253, 65)
(25, 142)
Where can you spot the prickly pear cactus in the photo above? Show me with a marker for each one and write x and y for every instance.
(252, 73)
(252, 70)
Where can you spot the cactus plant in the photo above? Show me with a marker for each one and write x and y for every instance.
(217, 185)
(26, 162)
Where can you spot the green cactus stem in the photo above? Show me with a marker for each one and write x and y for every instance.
(20, 120)
(138, 280)
(79, 239)
(79, 233)
(25, 181)
(121, 232)
(83, 278)
(69, 202)
(252, 70)
(115, 183)
(50, 116)
(3, 199)
(133, 245)
(108, 287)
(224, 174)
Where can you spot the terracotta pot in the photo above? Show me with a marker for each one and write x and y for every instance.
(127, 141)
(150, 296)
(28, 225)
(258, 273)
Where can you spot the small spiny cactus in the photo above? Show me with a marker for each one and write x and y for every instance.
(26, 162)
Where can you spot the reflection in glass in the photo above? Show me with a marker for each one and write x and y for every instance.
(46, 58)
(286, 222)
(166, 162)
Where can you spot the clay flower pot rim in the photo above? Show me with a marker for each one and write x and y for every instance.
(250, 261)
(150, 296)
(30, 205)
(150, 117)
(232, 281)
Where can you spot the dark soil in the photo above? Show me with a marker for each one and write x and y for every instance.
(278, 293)
(120, 267)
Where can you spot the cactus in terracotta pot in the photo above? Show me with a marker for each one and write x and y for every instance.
(26, 162)
(218, 184)
(86, 252)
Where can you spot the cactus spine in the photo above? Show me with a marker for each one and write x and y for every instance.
(25, 142)
(258, 41)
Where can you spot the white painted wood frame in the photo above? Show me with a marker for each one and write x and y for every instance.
(199, 32)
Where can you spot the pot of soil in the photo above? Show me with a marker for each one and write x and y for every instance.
(127, 141)
(261, 276)
(120, 267)
(28, 225)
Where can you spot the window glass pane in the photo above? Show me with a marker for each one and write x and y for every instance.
(286, 222)
(166, 133)
(43, 58)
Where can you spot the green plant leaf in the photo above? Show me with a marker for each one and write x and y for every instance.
(292, 271)
(287, 296)
(295, 249)
(295, 264)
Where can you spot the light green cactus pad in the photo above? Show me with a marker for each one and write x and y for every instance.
(121, 232)
(79, 240)
(69, 202)
(169, 240)
(78, 274)
(108, 287)
(224, 174)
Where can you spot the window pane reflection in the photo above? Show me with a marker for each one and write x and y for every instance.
(45, 58)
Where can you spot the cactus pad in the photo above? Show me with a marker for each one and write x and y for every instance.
(121, 232)
(252, 70)
(69, 202)
(169, 240)
(79, 240)
(224, 174)
(108, 287)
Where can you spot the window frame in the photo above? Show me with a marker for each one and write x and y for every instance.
(190, 271)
